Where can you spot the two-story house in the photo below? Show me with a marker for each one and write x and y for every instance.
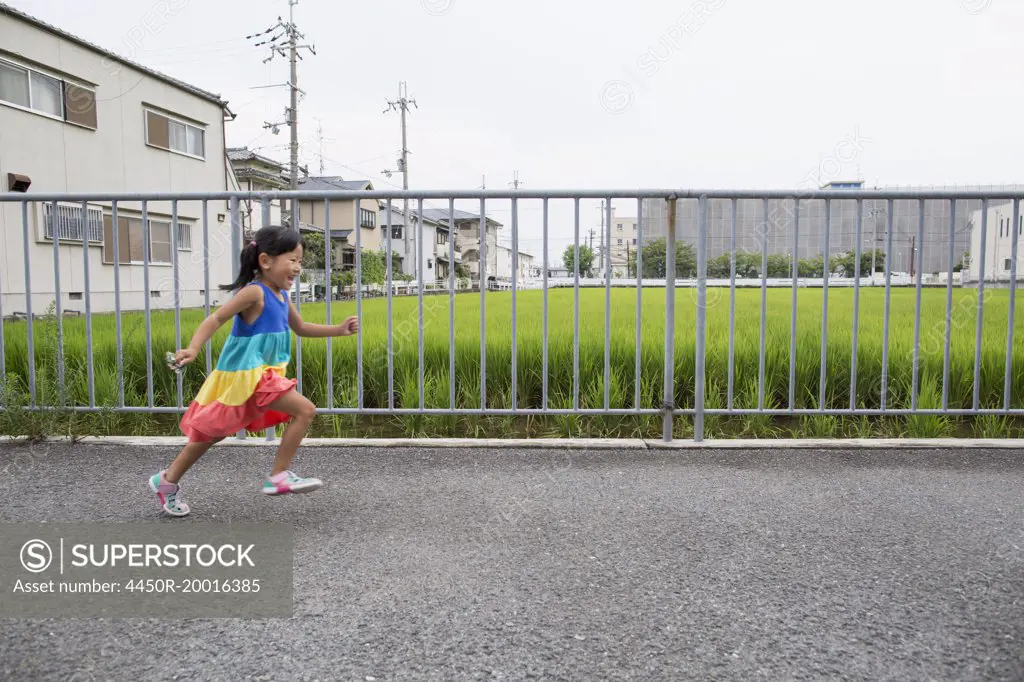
(75, 117)
(344, 218)
(436, 261)
(467, 226)
(258, 173)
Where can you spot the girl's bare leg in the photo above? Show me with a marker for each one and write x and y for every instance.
(303, 412)
(188, 456)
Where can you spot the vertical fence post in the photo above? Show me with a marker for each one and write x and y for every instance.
(28, 303)
(890, 221)
(544, 352)
(1014, 250)
(949, 305)
(915, 371)
(55, 235)
(608, 304)
(176, 278)
(637, 398)
(825, 272)
(702, 281)
(483, 303)
(576, 310)
(206, 281)
(297, 288)
(856, 304)
(451, 304)
(795, 274)
(236, 249)
(147, 256)
(328, 244)
(764, 309)
(115, 229)
(90, 370)
(981, 307)
(271, 432)
(668, 405)
(359, 300)
(421, 275)
(389, 258)
(515, 292)
(732, 308)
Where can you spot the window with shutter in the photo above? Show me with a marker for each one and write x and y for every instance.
(48, 94)
(175, 135)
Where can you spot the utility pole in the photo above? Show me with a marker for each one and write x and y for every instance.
(402, 105)
(291, 32)
(516, 181)
(320, 143)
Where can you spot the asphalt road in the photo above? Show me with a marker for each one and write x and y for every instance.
(567, 565)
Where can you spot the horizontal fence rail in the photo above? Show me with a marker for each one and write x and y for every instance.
(863, 330)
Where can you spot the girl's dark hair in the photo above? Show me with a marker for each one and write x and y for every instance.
(272, 240)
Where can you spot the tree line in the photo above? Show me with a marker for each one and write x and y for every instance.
(748, 264)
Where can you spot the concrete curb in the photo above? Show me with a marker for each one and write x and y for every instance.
(569, 443)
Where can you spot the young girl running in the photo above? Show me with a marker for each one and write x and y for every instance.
(248, 389)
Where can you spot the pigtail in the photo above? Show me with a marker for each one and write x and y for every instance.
(248, 264)
(272, 240)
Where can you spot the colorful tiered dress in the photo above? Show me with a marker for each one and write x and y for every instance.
(249, 376)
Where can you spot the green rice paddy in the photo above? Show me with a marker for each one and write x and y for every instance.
(529, 384)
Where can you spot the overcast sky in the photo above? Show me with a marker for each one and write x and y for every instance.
(572, 94)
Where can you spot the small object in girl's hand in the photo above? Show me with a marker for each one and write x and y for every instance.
(172, 364)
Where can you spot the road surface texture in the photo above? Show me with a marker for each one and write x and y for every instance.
(456, 564)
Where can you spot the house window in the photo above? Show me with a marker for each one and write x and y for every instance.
(48, 95)
(620, 227)
(69, 223)
(184, 236)
(367, 218)
(175, 135)
(442, 237)
(130, 240)
(396, 232)
(1006, 265)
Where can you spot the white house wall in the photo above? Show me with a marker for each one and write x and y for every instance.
(61, 157)
(998, 244)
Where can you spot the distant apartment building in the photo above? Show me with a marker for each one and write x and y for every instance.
(623, 245)
(999, 234)
(779, 230)
(78, 118)
(528, 268)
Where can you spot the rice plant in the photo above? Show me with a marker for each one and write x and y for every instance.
(400, 384)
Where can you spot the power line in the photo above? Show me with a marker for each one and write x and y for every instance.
(277, 43)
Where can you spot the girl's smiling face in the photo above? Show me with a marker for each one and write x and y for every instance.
(281, 272)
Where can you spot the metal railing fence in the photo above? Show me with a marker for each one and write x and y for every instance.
(671, 407)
